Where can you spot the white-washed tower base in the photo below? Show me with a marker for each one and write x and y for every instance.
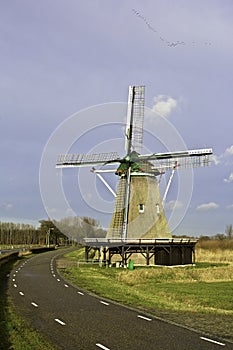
(146, 217)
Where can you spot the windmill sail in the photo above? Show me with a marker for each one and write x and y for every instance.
(135, 119)
(133, 141)
(183, 159)
(74, 160)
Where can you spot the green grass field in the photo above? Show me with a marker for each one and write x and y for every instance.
(199, 297)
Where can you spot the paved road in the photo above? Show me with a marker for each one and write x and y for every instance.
(72, 319)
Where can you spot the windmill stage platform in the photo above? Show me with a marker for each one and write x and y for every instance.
(159, 251)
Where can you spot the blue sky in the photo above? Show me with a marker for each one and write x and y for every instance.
(60, 57)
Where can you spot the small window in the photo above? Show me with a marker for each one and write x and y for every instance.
(141, 208)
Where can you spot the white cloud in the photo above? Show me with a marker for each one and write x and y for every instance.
(6, 206)
(172, 205)
(164, 105)
(229, 151)
(230, 207)
(223, 158)
(215, 159)
(230, 178)
(207, 206)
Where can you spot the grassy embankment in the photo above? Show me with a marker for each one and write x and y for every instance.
(16, 333)
(199, 297)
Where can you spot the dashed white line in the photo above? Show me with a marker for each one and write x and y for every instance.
(102, 346)
(59, 321)
(54, 275)
(103, 302)
(144, 318)
(66, 285)
(80, 293)
(58, 279)
(15, 285)
(13, 280)
(14, 275)
(34, 304)
(212, 341)
(21, 293)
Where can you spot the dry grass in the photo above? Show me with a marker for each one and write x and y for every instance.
(215, 251)
(176, 275)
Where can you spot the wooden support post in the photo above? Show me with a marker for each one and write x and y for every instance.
(183, 255)
(170, 255)
(147, 256)
(123, 254)
(104, 255)
(86, 253)
(155, 260)
(98, 249)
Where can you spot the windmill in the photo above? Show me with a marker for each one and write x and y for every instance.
(139, 211)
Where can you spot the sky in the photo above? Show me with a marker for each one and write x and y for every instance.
(65, 68)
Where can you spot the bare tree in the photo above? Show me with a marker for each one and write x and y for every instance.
(229, 231)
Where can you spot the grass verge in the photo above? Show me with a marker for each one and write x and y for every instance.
(16, 333)
(198, 297)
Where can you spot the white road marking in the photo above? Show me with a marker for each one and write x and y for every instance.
(102, 346)
(66, 285)
(54, 275)
(59, 321)
(14, 275)
(21, 293)
(15, 285)
(103, 302)
(80, 293)
(34, 304)
(144, 318)
(212, 341)
(13, 279)
(58, 280)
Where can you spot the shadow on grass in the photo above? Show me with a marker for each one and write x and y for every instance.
(5, 269)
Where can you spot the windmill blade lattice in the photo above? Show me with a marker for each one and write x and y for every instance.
(74, 160)
(183, 159)
(135, 119)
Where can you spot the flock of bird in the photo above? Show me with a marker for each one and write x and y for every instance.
(167, 42)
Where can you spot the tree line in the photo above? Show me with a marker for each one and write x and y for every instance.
(63, 232)
(228, 235)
